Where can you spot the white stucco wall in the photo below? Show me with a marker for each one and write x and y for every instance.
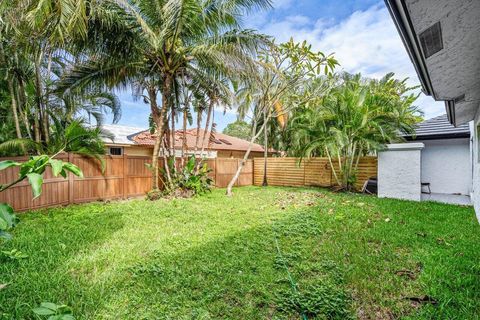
(399, 171)
(475, 195)
(446, 164)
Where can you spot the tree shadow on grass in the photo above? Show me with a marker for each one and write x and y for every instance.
(240, 276)
(50, 238)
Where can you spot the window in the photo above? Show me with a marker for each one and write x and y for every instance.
(115, 151)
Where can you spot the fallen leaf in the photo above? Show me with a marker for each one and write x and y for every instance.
(387, 220)
(3, 286)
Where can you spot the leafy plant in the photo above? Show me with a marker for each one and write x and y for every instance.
(35, 167)
(14, 254)
(188, 181)
(54, 311)
(320, 301)
(7, 221)
(33, 171)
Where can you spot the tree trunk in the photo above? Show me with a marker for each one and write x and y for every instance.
(184, 138)
(197, 139)
(22, 106)
(244, 160)
(158, 116)
(172, 146)
(39, 97)
(14, 108)
(206, 135)
(265, 147)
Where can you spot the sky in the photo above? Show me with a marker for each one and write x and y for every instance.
(360, 34)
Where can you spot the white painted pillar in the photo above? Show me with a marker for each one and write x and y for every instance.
(399, 171)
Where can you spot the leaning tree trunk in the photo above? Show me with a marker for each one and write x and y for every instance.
(159, 119)
(245, 158)
(265, 149)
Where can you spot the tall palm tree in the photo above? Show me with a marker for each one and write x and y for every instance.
(171, 39)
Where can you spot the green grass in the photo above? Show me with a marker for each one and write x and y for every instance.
(214, 257)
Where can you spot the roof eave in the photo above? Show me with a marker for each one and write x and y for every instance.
(444, 136)
(403, 23)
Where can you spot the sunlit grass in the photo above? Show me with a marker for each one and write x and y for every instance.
(215, 257)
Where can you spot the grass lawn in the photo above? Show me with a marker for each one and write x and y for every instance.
(273, 253)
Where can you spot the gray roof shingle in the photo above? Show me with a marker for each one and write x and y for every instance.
(440, 128)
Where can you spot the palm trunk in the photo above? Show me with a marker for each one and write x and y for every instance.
(159, 119)
(22, 106)
(184, 138)
(39, 97)
(167, 167)
(332, 167)
(172, 146)
(245, 158)
(14, 108)
(197, 139)
(206, 134)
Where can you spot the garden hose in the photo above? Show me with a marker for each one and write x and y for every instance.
(293, 284)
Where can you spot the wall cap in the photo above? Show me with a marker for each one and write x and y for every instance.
(405, 146)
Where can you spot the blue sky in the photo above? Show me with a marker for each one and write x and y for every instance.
(360, 33)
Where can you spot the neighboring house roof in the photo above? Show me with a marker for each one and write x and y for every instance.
(125, 135)
(219, 141)
(121, 134)
(439, 128)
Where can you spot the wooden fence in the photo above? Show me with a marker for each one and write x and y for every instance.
(124, 177)
(309, 172)
(127, 176)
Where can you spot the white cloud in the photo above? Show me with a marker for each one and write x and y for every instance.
(366, 42)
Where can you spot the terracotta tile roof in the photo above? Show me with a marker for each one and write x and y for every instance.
(220, 141)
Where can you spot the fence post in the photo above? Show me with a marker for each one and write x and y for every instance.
(71, 181)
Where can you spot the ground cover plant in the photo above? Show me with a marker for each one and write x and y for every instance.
(271, 253)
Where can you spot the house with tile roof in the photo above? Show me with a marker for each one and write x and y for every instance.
(138, 141)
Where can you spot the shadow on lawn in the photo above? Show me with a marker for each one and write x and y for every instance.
(51, 238)
(205, 258)
(240, 276)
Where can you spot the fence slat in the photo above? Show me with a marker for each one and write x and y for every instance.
(289, 171)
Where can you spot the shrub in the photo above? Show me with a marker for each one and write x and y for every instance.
(189, 181)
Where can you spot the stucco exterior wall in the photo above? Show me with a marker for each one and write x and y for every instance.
(399, 171)
(446, 165)
(475, 195)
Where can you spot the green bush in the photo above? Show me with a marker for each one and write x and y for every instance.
(189, 181)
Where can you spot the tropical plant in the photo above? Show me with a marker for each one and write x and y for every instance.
(281, 73)
(39, 41)
(191, 181)
(356, 117)
(167, 41)
(75, 137)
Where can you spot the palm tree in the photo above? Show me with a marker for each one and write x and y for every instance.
(77, 137)
(355, 118)
(171, 39)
